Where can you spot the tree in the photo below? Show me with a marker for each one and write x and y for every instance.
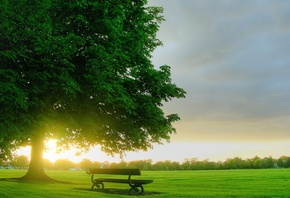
(283, 162)
(86, 163)
(256, 162)
(122, 164)
(63, 164)
(2, 162)
(158, 166)
(98, 165)
(175, 166)
(20, 162)
(235, 163)
(79, 71)
(141, 164)
(47, 164)
(268, 162)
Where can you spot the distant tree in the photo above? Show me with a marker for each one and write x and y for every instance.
(235, 163)
(198, 165)
(114, 165)
(287, 162)
(47, 164)
(166, 165)
(240, 163)
(160, 165)
(256, 162)
(86, 163)
(20, 162)
(220, 165)
(283, 162)
(280, 162)
(249, 164)
(104, 164)
(63, 164)
(136, 164)
(98, 165)
(187, 164)
(268, 162)
(175, 166)
(122, 164)
(209, 165)
(80, 72)
(141, 164)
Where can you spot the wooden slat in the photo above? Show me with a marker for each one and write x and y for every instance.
(133, 181)
(113, 171)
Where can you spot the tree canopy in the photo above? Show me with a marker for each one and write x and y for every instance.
(79, 71)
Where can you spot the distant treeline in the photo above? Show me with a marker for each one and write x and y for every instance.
(188, 164)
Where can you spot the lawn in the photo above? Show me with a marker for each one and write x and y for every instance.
(224, 183)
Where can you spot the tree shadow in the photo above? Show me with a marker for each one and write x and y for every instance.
(23, 180)
(117, 191)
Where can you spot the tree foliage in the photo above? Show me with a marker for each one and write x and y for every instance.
(79, 71)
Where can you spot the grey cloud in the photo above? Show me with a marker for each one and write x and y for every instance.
(203, 32)
(231, 56)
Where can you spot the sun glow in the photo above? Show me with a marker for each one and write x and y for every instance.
(52, 154)
(175, 151)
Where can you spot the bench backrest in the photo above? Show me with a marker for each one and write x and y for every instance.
(113, 171)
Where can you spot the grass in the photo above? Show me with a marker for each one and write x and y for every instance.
(224, 183)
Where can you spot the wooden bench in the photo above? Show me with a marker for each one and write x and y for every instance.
(134, 184)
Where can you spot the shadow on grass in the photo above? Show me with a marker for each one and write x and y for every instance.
(117, 191)
(21, 180)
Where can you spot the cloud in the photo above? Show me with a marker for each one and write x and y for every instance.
(232, 58)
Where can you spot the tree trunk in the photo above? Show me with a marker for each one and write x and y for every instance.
(36, 167)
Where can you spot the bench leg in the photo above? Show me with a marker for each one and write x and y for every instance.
(135, 190)
(98, 185)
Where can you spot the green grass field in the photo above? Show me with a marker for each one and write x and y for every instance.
(224, 183)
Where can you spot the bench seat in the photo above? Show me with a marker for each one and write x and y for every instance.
(125, 181)
(135, 184)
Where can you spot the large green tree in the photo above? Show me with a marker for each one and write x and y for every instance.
(79, 71)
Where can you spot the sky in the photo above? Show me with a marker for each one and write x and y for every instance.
(232, 58)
